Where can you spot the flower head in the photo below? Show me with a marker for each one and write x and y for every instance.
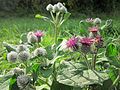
(24, 56)
(59, 5)
(93, 29)
(32, 38)
(23, 81)
(63, 9)
(89, 20)
(97, 21)
(39, 35)
(86, 41)
(12, 56)
(49, 7)
(55, 8)
(40, 52)
(86, 45)
(18, 71)
(21, 48)
(99, 41)
(71, 44)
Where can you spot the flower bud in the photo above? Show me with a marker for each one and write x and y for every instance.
(39, 34)
(49, 7)
(18, 71)
(40, 52)
(12, 56)
(21, 48)
(108, 22)
(63, 9)
(23, 81)
(86, 45)
(59, 5)
(55, 8)
(97, 21)
(24, 56)
(32, 39)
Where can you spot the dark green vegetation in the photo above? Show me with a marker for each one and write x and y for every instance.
(25, 7)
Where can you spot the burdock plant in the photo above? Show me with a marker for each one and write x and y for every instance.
(59, 14)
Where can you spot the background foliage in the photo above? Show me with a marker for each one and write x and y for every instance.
(34, 6)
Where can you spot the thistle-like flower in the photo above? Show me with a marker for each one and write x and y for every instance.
(86, 43)
(29, 34)
(89, 20)
(40, 52)
(12, 56)
(32, 38)
(97, 21)
(18, 71)
(23, 81)
(24, 56)
(39, 35)
(49, 7)
(93, 31)
(99, 41)
(72, 44)
(21, 48)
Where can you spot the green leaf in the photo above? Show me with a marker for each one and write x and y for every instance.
(13, 83)
(74, 75)
(113, 73)
(107, 84)
(5, 85)
(4, 78)
(66, 16)
(42, 87)
(9, 47)
(23, 38)
(38, 16)
(46, 71)
(111, 50)
(112, 54)
(35, 72)
(58, 86)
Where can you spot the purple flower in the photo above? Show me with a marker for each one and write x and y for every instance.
(99, 41)
(71, 44)
(89, 20)
(86, 44)
(39, 35)
(86, 41)
(93, 29)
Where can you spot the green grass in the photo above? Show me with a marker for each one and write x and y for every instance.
(12, 28)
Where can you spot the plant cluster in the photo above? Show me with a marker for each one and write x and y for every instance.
(81, 62)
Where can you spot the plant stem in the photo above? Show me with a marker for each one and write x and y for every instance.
(94, 60)
(86, 60)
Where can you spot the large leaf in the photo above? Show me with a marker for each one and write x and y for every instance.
(5, 85)
(58, 86)
(72, 74)
(46, 71)
(42, 87)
